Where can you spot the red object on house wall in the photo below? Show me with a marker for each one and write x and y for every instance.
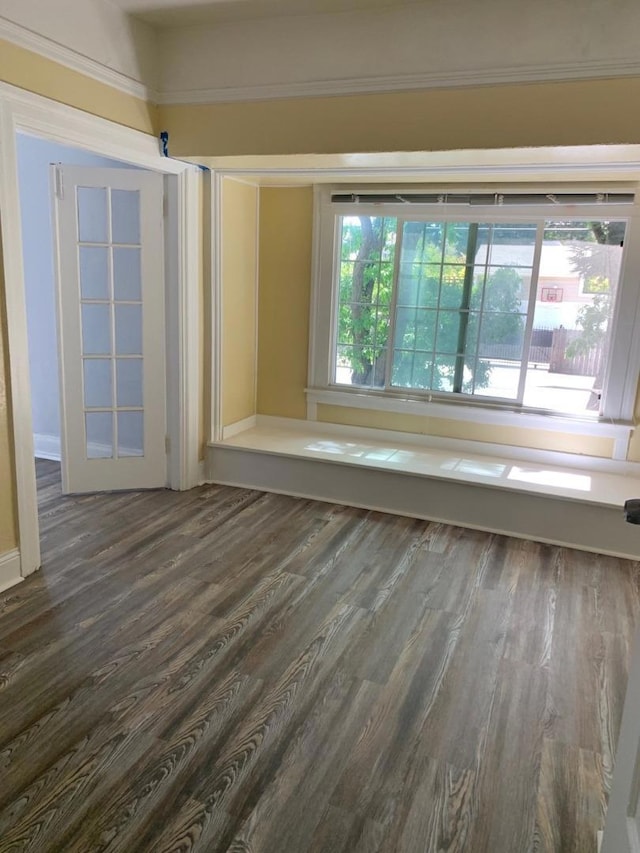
(551, 294)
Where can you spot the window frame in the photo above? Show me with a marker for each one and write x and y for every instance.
(623, 368)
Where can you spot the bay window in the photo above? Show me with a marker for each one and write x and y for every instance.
(521, 302)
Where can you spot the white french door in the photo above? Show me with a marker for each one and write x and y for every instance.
(110, 278)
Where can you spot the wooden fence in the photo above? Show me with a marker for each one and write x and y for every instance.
(589, 363)
(549, 346)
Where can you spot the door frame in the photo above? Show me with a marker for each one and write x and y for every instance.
(24, 112)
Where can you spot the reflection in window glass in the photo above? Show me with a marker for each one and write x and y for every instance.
(367, 258)
(130, 434)
(92, 215)
(574, 300)
(472, 277)
(517, 312)
(99, 428)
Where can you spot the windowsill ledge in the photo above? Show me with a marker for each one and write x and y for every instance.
(620, 432)
(598, 482)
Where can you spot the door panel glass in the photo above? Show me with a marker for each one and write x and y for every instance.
(128, 329)
(127, 274)
(125, 216)
(94, 272)
(99, 426)
(97, 383)
(129, 381)
(96, 329)
(130, 434)
(92, 215)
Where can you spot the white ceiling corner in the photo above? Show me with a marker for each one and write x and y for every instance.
(177, 13)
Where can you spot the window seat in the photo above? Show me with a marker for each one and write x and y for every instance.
(578, 504)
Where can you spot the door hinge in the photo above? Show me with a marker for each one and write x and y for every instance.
(167, 444)
(59, 183)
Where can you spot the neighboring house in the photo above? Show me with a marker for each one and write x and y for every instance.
(562, 289)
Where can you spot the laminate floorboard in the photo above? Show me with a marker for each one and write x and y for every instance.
(227, 671)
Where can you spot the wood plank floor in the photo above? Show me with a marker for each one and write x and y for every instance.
(225, 670)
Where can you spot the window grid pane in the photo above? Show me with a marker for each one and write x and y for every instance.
(471, 311)
(111, 316)
(465, 315)
(366, 272)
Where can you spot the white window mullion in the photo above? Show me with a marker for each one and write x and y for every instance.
(335, 306)
(621, 378)
(531, 310)
(394, 302)
(485, 278)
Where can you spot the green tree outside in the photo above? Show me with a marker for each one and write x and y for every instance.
(430, 293)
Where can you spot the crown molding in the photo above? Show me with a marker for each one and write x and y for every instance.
(561, 72)
(49, 49)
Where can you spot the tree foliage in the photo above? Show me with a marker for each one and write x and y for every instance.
(597, 260)
(431, 321)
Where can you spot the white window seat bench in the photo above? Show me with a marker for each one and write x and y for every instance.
(513, 492)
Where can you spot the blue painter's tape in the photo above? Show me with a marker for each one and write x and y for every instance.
(164, 145)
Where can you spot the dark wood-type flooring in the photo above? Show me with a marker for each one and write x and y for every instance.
(226, 670)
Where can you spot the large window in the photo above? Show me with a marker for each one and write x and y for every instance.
(505, 308)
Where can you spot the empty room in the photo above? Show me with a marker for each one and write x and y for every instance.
(319, 459)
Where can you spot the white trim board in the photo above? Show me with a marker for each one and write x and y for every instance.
(549, 519)
(72, 59)
(10, 569)
(49, 49)
(32, 114)
(239, 427)
(216, 306)
(556, 72)
(47, 447)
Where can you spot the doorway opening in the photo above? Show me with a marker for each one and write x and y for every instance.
(32, 115)
(36, 157)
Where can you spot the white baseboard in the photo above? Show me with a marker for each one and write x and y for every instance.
(239, 426)
(10, 569)
(47, 447)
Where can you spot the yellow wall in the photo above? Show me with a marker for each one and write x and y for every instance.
(239, 300)
(443, 428)
(285, 274)
(8, 529)
(30, 71)
(508, 116)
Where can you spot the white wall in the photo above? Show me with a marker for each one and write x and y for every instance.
(97, 29)
(412, 44)
(34, 159)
